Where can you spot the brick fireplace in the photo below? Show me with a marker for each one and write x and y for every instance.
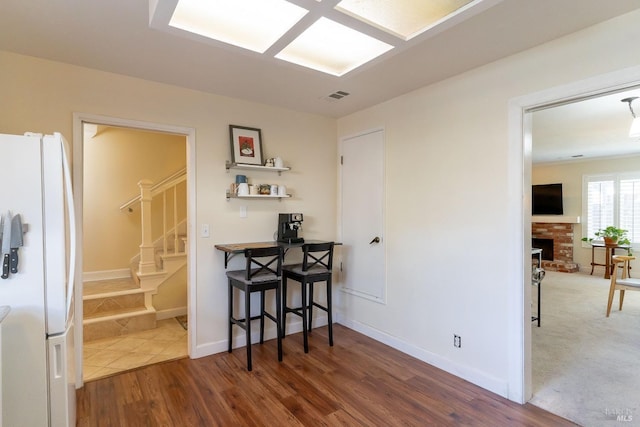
(561, 234)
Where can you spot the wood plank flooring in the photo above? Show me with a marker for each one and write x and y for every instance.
(358, 382)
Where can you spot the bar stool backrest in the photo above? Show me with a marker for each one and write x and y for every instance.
(317, 255)
(263, 263)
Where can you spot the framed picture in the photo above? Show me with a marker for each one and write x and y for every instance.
(246, 145)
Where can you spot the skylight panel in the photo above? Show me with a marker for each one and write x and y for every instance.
(250, 24)
(402, 18)
(332, 48)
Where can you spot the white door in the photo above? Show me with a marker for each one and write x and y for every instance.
(363, 260)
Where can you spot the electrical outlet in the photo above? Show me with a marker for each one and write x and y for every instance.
(204, 231)
(457, 341)
(243, 211)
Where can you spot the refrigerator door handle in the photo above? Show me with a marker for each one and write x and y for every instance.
(72, 222)
(57, 362)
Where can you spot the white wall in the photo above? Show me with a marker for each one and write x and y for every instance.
(570, 175)
(42, 96)
(453, 242)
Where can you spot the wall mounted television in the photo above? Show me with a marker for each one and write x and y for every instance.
(546, 199)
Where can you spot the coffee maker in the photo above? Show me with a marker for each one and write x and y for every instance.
(288, 226)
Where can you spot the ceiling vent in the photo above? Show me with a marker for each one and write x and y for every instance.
(335, 96)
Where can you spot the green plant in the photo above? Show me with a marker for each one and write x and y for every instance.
(617, 235)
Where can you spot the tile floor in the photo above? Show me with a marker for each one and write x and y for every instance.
(109, 356)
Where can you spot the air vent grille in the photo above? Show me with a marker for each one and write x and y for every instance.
(339, 94)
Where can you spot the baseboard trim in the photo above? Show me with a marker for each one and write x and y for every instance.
(92, 276)
(474, 376)
(239, 340)
(171, 312)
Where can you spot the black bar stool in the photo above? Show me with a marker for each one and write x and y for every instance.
(263, 272)
(316, 267)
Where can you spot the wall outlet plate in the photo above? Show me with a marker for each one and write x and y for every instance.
(457, 341)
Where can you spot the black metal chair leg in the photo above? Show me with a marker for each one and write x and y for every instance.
(247, 317)
(230, 313)
(329, 312)
(278, 322)
(262, 317)
(303, 290)
(284, 307)
(310, 305)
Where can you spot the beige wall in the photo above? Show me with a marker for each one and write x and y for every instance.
(172, 294)
(570, 175)
(454, 248)
(115, 160)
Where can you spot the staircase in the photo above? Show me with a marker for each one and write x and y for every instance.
(115, 307)
(121, 306)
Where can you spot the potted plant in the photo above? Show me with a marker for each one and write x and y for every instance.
(611, 235)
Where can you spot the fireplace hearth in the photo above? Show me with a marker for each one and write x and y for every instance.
(556, 242)
(546, 245)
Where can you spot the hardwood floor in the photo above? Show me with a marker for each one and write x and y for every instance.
(358, 382)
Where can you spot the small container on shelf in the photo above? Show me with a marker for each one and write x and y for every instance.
(265, 189)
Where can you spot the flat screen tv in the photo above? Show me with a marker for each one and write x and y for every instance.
(546, 199)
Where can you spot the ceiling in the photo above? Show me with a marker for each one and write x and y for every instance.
(587, 129)
(116, 36)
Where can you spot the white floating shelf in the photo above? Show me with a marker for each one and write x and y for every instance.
(256, 196)
(242, 166)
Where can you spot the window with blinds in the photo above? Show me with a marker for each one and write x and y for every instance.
(612, 200)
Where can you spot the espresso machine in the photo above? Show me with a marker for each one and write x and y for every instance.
(288, 226)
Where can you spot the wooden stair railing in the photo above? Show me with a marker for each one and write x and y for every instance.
(148, 191)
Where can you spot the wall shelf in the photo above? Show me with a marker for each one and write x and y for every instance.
(256, 196)
(241, 166)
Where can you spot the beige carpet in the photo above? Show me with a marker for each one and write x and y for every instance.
(586, 367)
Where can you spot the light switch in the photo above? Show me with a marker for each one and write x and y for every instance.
(243, 211)
(204, 232)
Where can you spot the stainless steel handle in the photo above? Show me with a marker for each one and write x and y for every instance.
(375, 240)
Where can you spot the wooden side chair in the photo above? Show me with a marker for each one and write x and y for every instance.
(625, 283)
(317, 262)
(263, 272)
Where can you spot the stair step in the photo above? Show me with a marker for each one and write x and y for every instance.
(104, 297)
(110, 285)
(177, 255)
(118, 323)
(114, 313)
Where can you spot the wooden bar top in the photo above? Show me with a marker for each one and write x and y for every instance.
(232, 249)
(240, 247)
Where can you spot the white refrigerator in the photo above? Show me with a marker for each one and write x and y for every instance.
(38, 372)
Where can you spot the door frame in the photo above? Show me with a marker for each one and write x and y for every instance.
(340, 209)
(519, 160)
(78, 186)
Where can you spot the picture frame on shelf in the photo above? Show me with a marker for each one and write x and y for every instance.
(246, 145)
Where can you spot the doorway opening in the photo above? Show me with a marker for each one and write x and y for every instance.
(132, 189)
(528, 106)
